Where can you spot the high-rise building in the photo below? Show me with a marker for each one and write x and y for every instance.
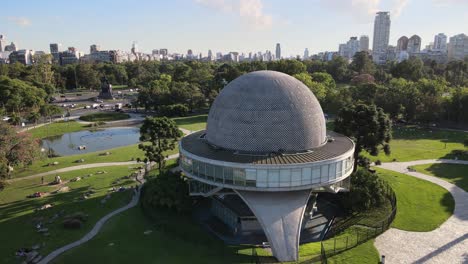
(134, 48)
(22, 56)
(11, 47)
(306, 54)
(54, 48)
(381, 36)
(458, 47)
(414, 44)
(2, 43)
(364, 43)
(440, 42)
(278, 52)
(353, 46)
(402, 43)
(94, 48)
(210, 55)
(163, 52)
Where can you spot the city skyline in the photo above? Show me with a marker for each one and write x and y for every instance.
(244, 25)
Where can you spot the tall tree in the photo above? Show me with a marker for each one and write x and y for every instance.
(362, 63)
(368, 126)
(162, 134)
(15, 149)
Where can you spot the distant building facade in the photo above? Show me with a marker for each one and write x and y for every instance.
(458, 47)
(364, 43)
(381, 36)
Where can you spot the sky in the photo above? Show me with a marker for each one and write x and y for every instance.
(221, 25)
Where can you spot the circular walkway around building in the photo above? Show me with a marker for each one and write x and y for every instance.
(446, 244)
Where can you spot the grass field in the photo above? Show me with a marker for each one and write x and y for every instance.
(421, 205)
(104, 116)
(18, 219)
(127, 153)
(454, 173)
(362, 254)
(413, 143)
(123, 240)
(56, 129)
(193, 123)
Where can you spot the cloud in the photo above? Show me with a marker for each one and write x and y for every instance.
(362, 11)
(250, 11)
(398, 7)
(449, 2)
(20, 21)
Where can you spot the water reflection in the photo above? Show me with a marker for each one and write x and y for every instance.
(96, 140)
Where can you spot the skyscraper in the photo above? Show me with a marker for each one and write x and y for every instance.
(458, 47)
(2, 43)
(440, 42)
(402, 43)
(364, 43)
(414, 44)
(94, 48)
(381, 36)
(278, 51)
(306, 54)
(210, 55)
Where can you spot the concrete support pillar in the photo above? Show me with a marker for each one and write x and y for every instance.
(280, 215)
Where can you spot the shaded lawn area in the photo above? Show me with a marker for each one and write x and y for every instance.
(56, 129)
(104, 116)
(364, 253)
(421, 205)
(187, 244)
(414, 143)
(126, 153)
(453, 173)
(18, 219)
(193, 123)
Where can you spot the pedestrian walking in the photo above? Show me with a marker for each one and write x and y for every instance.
(42, 180)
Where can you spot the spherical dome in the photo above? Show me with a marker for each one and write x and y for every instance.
(266, 111)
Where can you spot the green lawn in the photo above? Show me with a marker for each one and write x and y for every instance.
(127, 153)
(119, 87)
(56, 129)
(173, 239)
(193, 123)
(413, 143)
(364, 253)
(18, 219)
(421, 205)
(104, 116)
(454, 173)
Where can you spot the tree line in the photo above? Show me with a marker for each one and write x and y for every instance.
(412, 90)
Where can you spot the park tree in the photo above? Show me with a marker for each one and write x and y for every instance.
(19, 96)
(318, 89)
(362, 63)
(368, 126)
(290, 67)
(457, 73)
(159, 135)
(338, 68)
(87, 76)
(411, 69)
(16, 149)
(169, 190)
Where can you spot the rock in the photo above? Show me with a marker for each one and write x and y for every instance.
(79, 161)
(45, 206)
(76, 179)
(36, 247)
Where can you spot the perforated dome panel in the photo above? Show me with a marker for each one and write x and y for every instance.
(266, 111)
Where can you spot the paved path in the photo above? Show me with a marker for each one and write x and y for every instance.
(446, 244)
(85, 166)
(97, 227)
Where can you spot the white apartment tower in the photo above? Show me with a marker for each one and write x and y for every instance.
(440, 42)
(364, 43)
(458, 47)
(381, 36)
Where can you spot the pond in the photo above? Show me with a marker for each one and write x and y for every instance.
(90, 141)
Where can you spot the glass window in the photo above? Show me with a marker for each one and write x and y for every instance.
(228, 175)
(339, 173)
(296, 175)
(196, 168)
(332, 171)
(285, 178)
(273, 178)
(316, 174)
(306, 176)
(209, 172)
(251, 177)
(324, 173)
(262, 178)
(218, 173)
(239, 176)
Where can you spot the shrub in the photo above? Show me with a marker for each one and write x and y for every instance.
(378, 162)
(72, 223)
(173, 110)
(168, 190)
(367, 191)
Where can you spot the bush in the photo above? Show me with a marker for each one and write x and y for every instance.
(378, 162)
(173, 110)
(72, 223)
(367, 191)
(168, 190)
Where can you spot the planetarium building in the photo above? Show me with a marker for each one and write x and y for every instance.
(264, 155)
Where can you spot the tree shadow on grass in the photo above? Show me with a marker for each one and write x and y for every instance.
(456, 173)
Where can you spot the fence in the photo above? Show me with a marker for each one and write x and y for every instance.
(351, 234)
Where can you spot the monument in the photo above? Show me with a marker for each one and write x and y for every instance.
(106, 89)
